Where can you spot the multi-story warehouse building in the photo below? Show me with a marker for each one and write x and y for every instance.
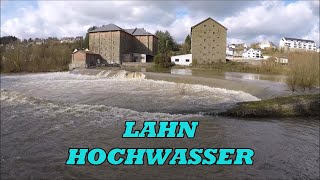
(297, 44)
(208, 42)
(117, 45)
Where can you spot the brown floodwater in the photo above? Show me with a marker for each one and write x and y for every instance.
(43, 115)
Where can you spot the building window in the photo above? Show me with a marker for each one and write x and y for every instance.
(213, 32)
(176, 60)
(187, 60)
(204, 25)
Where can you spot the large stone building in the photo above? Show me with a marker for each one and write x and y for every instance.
(117, 45)
(208, 42)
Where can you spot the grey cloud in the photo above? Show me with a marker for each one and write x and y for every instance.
(245, 20)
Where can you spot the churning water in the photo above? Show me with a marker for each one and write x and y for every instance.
(43, 115)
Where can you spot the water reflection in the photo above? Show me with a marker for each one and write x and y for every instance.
(229, 75)
(182, 71)
(251, 76)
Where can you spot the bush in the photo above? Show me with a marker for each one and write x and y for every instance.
(162, 61)
(303, 70)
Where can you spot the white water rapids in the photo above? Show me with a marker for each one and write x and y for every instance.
(122, 89)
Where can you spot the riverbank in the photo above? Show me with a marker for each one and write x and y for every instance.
(293, 106)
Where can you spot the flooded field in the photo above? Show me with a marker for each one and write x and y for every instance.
(43, 115)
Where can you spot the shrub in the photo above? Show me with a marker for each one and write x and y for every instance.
(162, 61)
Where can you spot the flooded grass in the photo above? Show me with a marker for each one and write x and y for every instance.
(300, 105)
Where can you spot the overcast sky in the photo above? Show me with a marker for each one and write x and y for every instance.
(247, 21)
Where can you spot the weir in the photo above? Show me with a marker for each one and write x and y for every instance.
(109, 73)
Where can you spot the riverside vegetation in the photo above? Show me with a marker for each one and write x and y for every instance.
(31, 57)
(300, 105)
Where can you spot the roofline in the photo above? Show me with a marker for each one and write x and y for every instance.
(85, 52)
(206, 20)
(298, 39)
(126, 32)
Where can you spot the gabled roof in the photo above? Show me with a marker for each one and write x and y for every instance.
(109, 27)
(209, 18)
(295, 39)
(138, 32)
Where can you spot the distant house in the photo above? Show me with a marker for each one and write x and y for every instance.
(39, 41)
(297, 44)
(67, 40)
(85, 59)
(78, 38)
(240, 45)
(281, 60)
(208, 42)
(252, 53)
(266, 44)
(184, 60)
(229, 52)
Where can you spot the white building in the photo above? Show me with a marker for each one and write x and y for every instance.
(282, 60)
(184, 60)
(229, 51)
(236, 46)
(252, 53)
(266, 44)
(293, 43)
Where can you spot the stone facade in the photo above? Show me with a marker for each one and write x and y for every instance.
(208, 42)
(84, 59)
(117, 45)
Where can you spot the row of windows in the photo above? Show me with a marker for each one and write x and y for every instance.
(177, 60)
(206, 25)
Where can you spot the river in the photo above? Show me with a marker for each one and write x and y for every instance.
(43, 115)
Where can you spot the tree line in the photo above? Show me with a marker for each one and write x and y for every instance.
(27, 56)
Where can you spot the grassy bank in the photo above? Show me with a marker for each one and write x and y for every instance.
(301, 105)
